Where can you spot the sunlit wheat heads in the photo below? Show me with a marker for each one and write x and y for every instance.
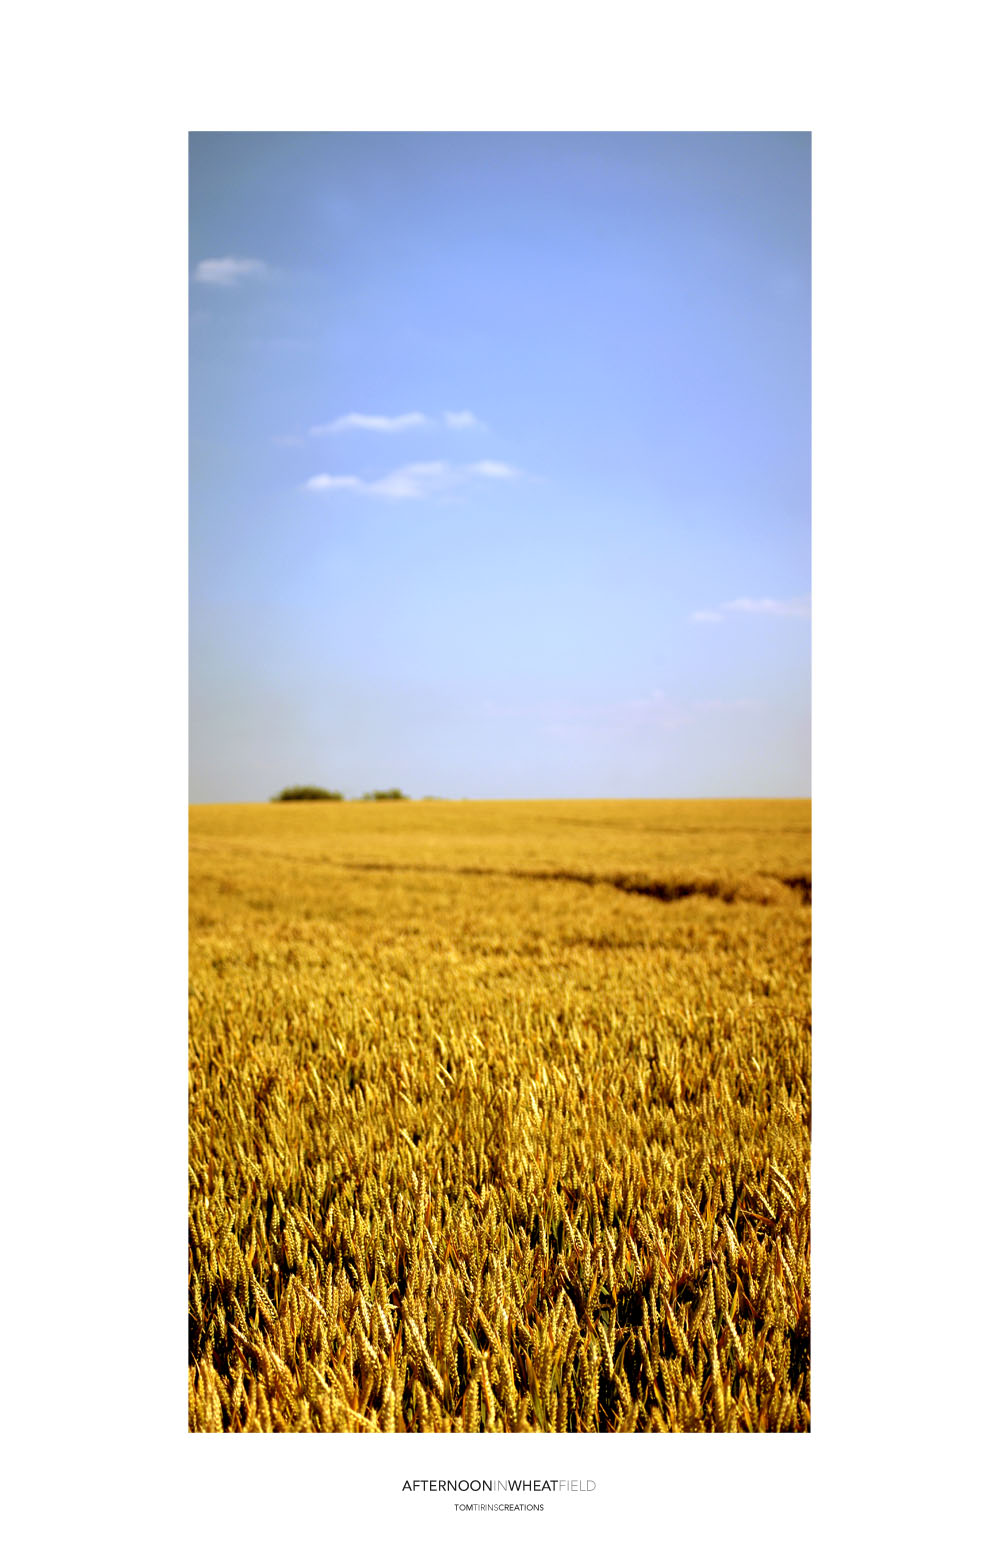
(499, 1117)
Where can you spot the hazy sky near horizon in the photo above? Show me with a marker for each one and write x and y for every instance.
(500, 464)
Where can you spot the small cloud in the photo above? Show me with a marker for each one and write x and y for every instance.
(415, 481)
(790, 607)
(378, 422)
(287, 439)
(228, 270)
(784, 608)
(384, 423)
(325, 481)
(492, 470)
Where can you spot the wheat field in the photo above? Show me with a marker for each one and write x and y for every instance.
(500, 1117)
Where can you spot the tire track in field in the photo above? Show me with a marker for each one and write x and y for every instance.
(630, 884)
(758, 888)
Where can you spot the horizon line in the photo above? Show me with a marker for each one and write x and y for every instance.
(549, 798)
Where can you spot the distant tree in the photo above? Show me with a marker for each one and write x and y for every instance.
(381, 795)
(291, 795)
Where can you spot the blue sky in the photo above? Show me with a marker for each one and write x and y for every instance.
(500, 464)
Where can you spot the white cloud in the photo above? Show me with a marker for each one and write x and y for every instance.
(384, 423)
(415, 481)
(226, 271)
(492, 470)
(287, 439)
(785, 608)
(325, 481)
(793, 607)
(378, 422)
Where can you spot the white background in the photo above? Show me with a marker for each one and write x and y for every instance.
(100, 100)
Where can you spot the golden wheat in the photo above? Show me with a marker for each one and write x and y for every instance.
(499, 1117)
